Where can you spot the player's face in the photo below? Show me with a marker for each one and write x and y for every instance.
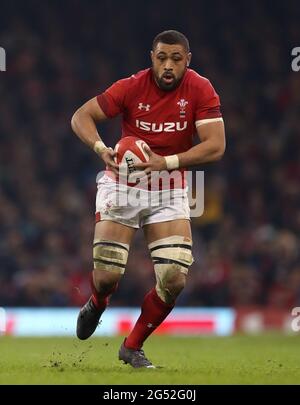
(169, 63)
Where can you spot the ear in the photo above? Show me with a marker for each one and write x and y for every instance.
(151, 55)
(189, 57)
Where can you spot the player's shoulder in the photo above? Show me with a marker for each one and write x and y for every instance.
(194, 79)
(131, 86)
(136, 78)
(141, 75)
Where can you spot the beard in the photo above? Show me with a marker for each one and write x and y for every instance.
(167, 82)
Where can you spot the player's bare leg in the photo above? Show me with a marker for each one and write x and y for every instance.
(110, 252)
(170, 245)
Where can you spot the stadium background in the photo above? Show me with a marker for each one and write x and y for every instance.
(59, 54)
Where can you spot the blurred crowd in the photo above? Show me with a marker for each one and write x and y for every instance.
(59, 54)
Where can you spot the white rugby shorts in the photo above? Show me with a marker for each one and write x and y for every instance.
(137, 207)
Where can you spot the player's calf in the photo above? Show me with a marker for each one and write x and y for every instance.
(110, 259)
(103, 284)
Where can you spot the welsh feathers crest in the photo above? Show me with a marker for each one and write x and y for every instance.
(182, 103)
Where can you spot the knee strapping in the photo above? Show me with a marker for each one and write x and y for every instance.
(110, 255)
(171, 257)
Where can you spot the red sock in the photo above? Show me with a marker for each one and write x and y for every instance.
(100, 301)
(154, 312)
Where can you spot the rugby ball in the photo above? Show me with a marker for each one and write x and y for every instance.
(129, 151)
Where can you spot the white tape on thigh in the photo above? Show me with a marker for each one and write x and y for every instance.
(110, 255)
(175, 250)
(171, 256)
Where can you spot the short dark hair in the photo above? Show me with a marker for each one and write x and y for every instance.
(171, 37)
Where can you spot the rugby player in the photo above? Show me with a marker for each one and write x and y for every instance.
(165, 106)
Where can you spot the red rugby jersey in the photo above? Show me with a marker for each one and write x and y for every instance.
(165, 120)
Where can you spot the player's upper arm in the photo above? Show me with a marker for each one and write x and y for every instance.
(107, 104)
(208, 117)
(212, 129)
(93, 109)
(214, 132)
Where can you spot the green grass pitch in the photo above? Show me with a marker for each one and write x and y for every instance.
(266, 359)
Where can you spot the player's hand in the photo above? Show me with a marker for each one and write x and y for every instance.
(108, 158)
(155, 163)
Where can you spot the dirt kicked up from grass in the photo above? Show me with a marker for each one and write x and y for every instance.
(266, 359)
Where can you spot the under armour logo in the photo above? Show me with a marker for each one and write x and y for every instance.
(145, 107)
(150, 325)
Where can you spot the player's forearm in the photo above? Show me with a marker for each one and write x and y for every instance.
(85, 128)
(205, 152)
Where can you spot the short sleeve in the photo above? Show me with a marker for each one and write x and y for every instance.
(207, 104)
(112, 101)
